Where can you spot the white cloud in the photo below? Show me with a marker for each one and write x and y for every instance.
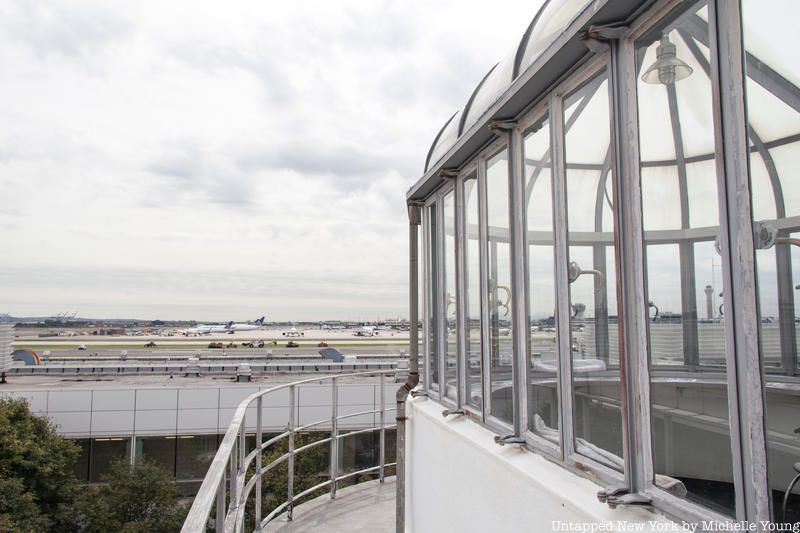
(181, 159)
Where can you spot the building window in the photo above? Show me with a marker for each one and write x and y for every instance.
(543, 400)
(592, 274)
(686, 326)
(773, 106)
(500, 352)
(472, 298)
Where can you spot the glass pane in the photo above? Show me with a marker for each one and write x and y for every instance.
(593, 324)
(432, 278)
(195, 454)
(500, 349)
(686, 330)
(104, 452)
(543, 363)
(449, 300)
(160, 450)
(81, 465)
(472, 283)
(773, 76)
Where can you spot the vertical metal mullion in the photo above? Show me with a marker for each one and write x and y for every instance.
(520, 329)
(483, 249)
(562, 280)
(440, 311)
(629, 254)
(461, 304)
(426, 250)
(745, 379)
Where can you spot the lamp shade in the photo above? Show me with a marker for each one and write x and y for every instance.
(667, 68)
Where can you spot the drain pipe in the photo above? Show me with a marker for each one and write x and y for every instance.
(413, 367)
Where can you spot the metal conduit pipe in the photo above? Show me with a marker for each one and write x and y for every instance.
(413, 365)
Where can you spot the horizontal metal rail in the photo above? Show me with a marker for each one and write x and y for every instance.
(230, 480)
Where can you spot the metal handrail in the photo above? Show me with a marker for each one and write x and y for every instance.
(231, 461)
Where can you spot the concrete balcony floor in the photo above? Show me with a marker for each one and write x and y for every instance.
(367, 507)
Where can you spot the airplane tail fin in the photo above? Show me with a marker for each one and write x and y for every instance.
(229, 324)
(260, 321)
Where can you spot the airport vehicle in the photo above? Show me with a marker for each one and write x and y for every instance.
(215, 345)
(253, 344)
(82, 347)
(323, 344)
(150, 344)
(292, 344)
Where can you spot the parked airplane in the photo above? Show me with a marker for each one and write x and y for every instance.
(294, 332)
(229, 327)
(257, 324)
(204, 329)
(366, 331)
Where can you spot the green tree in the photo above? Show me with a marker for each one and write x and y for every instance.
(37, 486)
(142, 498)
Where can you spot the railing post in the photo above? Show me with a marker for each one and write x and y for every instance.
(259, 439)
(219, 523)
(383, 428)
(232, 475)
(242, 445)
(334, 437)
(290, 466)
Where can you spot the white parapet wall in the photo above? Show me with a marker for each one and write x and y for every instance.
(458, 479)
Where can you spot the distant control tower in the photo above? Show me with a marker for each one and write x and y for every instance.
(709, 306)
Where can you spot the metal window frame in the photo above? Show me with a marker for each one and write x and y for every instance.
(493, 422)
(751, 498)
(599, 64)
(426, 300)
(540, 112)
(745, 371)
(444, 190)
(464, 174)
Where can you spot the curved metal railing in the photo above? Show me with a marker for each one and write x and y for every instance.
(226, 484)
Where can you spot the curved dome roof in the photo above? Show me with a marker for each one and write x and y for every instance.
(553, 16)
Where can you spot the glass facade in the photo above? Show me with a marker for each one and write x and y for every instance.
(660, 243)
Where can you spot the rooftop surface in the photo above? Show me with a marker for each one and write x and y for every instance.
(367, 507)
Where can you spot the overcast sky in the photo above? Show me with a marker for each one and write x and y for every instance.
(209, 160)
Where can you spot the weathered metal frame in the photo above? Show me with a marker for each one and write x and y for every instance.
(745, 377)
(427, 251)
(441, 315)
(494, 148)
(462, 298)
(540, 112)
(231, 455)
(745, 373)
